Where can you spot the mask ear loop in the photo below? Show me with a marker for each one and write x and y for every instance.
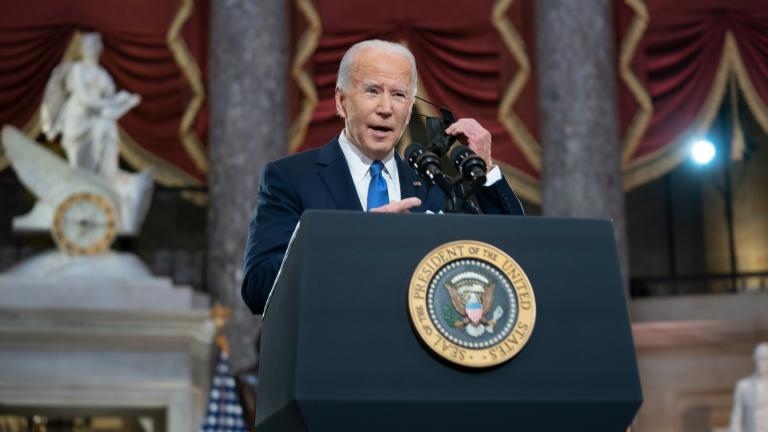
(433, 104)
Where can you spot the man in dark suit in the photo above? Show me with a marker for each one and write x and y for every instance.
(359, 169)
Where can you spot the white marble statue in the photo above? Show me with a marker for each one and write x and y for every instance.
(750, 400)
(81, 104)
(52, 180)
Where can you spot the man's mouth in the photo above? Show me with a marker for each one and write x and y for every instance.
(381, 129)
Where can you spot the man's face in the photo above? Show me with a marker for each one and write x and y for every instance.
(378, 103)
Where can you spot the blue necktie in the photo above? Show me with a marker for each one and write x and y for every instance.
(377, 188)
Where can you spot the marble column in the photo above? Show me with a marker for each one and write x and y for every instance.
(248, 128)
(581, 164)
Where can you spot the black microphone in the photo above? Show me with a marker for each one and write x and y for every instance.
(426, 163)
(471, 166)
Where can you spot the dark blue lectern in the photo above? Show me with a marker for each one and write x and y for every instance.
(338, 352)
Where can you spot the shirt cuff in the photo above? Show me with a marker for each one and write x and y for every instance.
(492, 176)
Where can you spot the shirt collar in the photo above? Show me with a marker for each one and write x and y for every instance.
(359, 163)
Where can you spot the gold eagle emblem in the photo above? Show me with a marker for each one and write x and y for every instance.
(472, 298)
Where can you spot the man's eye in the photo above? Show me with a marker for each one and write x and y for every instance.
(371, 91)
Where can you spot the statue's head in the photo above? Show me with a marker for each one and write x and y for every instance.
(761, 358)
(90, 46)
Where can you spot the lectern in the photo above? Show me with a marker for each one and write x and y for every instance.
(339, 351)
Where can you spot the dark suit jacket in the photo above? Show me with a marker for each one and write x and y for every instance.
(320, 179)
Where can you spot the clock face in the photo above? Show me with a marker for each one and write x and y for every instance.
(85, 224)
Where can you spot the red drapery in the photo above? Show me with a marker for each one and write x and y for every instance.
(685, 59)
(673, 63)
(466, 59)
(674, 60)
(157, 49)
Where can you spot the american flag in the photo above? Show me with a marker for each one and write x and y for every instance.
(225, 414)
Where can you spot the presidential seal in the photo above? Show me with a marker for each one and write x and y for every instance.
(471, 304)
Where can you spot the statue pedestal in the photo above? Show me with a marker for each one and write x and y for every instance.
(101, 334)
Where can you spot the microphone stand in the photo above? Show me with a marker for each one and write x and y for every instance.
(453, 202)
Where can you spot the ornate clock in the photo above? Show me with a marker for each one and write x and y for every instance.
(85, 224)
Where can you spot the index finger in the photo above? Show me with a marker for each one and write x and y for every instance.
(398, 206)
(452, 129)
(408, 203)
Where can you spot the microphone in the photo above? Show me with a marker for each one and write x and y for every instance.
(426, 163)
(471, 166)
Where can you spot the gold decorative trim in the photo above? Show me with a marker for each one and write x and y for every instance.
(422, 108)
(304, 50)
(136, 156)
(756, 105)
(659, 162)
(72, 52)
(405, 140)
(33, 127)
(165, 172)
(507, 116)
(639, 124)
(738, 144)
(191, 71)
(524, 185)
(91, 239)
(492, 266)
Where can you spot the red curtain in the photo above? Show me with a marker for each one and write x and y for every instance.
(680, 55)
(34, 35)
(668, 56)
(463, 61)
(469, 55)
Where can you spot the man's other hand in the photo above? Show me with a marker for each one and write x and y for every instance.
(402, 206)
(472, 134)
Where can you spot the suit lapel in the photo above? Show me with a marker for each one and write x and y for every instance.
(335, 174)
(410, 183)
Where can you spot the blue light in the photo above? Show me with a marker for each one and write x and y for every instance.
(703, 151)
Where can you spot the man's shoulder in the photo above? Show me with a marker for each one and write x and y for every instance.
(303, 158)
(300, 158)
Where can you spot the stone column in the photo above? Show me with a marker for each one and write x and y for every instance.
(248, 128)
(581, 170)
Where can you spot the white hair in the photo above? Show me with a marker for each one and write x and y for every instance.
(343, 81)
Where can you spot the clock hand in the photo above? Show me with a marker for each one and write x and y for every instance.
(86, 223)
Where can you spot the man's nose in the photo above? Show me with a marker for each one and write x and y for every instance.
(384, 107)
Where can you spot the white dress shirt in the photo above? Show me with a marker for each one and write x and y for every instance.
(360, 168)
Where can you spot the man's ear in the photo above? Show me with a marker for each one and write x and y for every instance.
(340, 111)
(410, 111)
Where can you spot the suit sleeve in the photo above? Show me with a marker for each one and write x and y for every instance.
(276, 214)
(499, 199)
